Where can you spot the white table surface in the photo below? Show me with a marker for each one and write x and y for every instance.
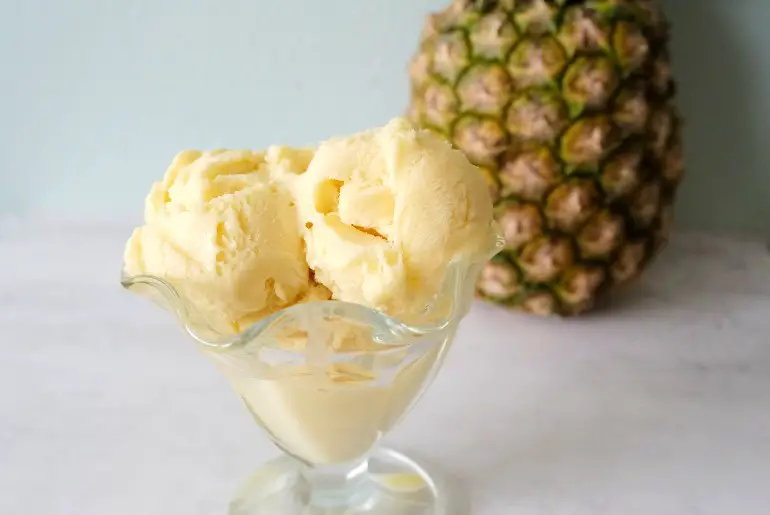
(658, 406)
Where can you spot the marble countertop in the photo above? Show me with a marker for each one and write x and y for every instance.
(659, 404)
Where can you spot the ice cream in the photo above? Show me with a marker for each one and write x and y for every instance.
(335, 416)
(327, 411)
(222, 228)
(374, 219)
(384, 212)
(377, 217)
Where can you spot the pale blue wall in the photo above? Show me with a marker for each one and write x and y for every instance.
(96, 95)
(722, 60)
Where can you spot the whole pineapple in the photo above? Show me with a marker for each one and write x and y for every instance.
(566, 106)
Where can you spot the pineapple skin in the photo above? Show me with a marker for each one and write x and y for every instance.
(566, 106)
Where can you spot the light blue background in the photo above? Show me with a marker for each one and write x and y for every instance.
(96, 96)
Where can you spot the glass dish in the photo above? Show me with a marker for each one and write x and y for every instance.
(326, 380)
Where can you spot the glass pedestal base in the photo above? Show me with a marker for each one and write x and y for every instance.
(392, 485)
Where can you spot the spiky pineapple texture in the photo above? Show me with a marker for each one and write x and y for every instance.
(566, 106)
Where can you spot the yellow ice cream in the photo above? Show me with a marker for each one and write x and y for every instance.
(335, 415)
(327, 411)
(384, 212)
(222, 228)
(375, 218)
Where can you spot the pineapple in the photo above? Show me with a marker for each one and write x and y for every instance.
(566, 108)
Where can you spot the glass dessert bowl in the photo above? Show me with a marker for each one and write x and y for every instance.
(246, 247)
(326, 380)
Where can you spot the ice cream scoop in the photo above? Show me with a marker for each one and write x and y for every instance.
(223, 229)
(386, 211)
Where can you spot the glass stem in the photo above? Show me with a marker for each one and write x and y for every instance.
(331, 486)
